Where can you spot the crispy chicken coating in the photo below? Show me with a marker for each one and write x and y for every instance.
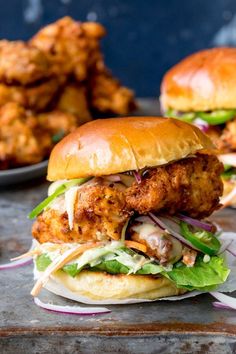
(37, 97)
(26, 137)
(49, 78)
(215, 132)
(73, 100)
(73, 47)
(57, 123)
(192, 186)
(22, 63)
(227, 141)
(108, 96)
(18, 143)
(100, 213)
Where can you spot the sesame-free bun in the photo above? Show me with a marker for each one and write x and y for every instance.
(110, 146)
(100, 287)
(203, 81)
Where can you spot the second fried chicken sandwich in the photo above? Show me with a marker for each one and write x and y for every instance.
(124, 215)
(200, 89)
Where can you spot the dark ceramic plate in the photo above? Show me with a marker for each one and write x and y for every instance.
(23, 174)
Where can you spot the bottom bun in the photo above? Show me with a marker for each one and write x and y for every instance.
(103, 288)
(229, 185)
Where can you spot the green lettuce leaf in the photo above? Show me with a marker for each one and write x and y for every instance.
(42, 262)
(112, 267)
(109, 266)
(203, 276)
(71, 269)
(115, 267)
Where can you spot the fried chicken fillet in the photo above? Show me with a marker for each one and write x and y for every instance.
(19, 144)
(74, 49)
(37, 97)
(72, 46)
(100, 210)
(190, 185)
(227, 141)
(22, 63)
(26, 137)
(58, 123)
(73, 100)
(108, 96)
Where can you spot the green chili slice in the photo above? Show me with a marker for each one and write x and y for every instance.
(203, 240)
(187, 117)
(60, 190)
(217, 117)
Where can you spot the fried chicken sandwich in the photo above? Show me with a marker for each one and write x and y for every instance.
(124, 217)
(201, 89)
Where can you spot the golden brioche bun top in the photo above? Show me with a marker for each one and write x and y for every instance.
(109, 146)
(203, 81)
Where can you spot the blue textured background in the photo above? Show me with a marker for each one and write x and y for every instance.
(144, 38)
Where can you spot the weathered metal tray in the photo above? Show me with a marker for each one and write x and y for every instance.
(187, 326)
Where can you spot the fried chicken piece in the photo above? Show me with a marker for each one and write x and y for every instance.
(37, 97)
(73, 99)
(192, 186)
(18, 144)
(72, 47)
(100, 213)
(57, 123)
(108, 96)
(214, 132)
(41, 97)
(227, 141)
(41, 133)
(22, 63)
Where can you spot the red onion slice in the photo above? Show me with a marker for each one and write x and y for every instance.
(201, 124)
(137, 176)
(219, 305)
(225, 300)
(73, 310)
(172, 227)
(19, 262)
(16, 264)
(194, 222)
(155, 219)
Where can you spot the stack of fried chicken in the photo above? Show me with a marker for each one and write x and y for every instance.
(52, 84)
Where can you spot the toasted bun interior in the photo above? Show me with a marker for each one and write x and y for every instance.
(201, 82)
(109, 146)
(98, 287)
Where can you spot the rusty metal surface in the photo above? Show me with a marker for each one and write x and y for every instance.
(188, 326)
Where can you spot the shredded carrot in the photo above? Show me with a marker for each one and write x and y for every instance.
(27, 254)
(136, 245)
(59, 263)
